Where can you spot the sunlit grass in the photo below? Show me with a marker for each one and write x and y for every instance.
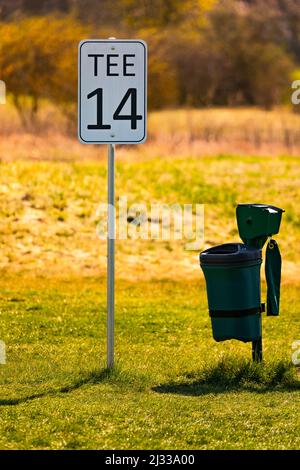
(48, 211)
(173, 386)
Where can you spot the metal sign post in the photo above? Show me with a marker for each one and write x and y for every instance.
(112, 109)
(111, 257)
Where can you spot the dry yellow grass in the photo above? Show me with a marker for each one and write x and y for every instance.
(51, 186)
(48, 212)
(244, 131)
(236, 131)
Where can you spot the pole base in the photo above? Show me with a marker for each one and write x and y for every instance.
(257, 353)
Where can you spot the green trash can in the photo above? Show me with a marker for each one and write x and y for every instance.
(232, 275)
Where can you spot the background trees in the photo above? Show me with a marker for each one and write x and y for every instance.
(201, 52)
(36, 63)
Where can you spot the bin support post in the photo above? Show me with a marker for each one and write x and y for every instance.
(257, 353)
(111, 257)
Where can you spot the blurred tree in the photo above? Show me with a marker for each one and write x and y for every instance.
(142, 14)
(17, 8)
(162, 78)
(38, 59)
(201, 52)
(251, 66)
(44, 6)
(278, 21)
(270, 68)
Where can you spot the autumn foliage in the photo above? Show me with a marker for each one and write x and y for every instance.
(201, 52)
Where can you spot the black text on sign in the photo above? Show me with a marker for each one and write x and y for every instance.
(112, 91)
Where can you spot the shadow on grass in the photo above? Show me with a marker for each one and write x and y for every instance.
(90, 378)
(232, 376)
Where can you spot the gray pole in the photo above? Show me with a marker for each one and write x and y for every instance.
(111, 257)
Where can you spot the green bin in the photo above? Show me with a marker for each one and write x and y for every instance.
(232, 275)
(257, 222)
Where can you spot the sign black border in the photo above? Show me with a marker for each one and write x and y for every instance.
(79, 92)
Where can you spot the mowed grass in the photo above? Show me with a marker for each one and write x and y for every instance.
(173, 386)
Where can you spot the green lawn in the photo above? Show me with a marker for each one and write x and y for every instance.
(173, 386)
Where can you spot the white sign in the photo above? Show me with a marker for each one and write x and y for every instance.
(112, 91)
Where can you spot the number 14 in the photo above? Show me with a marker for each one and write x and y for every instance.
(133, 116)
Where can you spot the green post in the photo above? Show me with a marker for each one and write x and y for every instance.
(257, 351)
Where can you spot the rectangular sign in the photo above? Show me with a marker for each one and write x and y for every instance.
(112, 91)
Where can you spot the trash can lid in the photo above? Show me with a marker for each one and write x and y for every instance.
(230, 253)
